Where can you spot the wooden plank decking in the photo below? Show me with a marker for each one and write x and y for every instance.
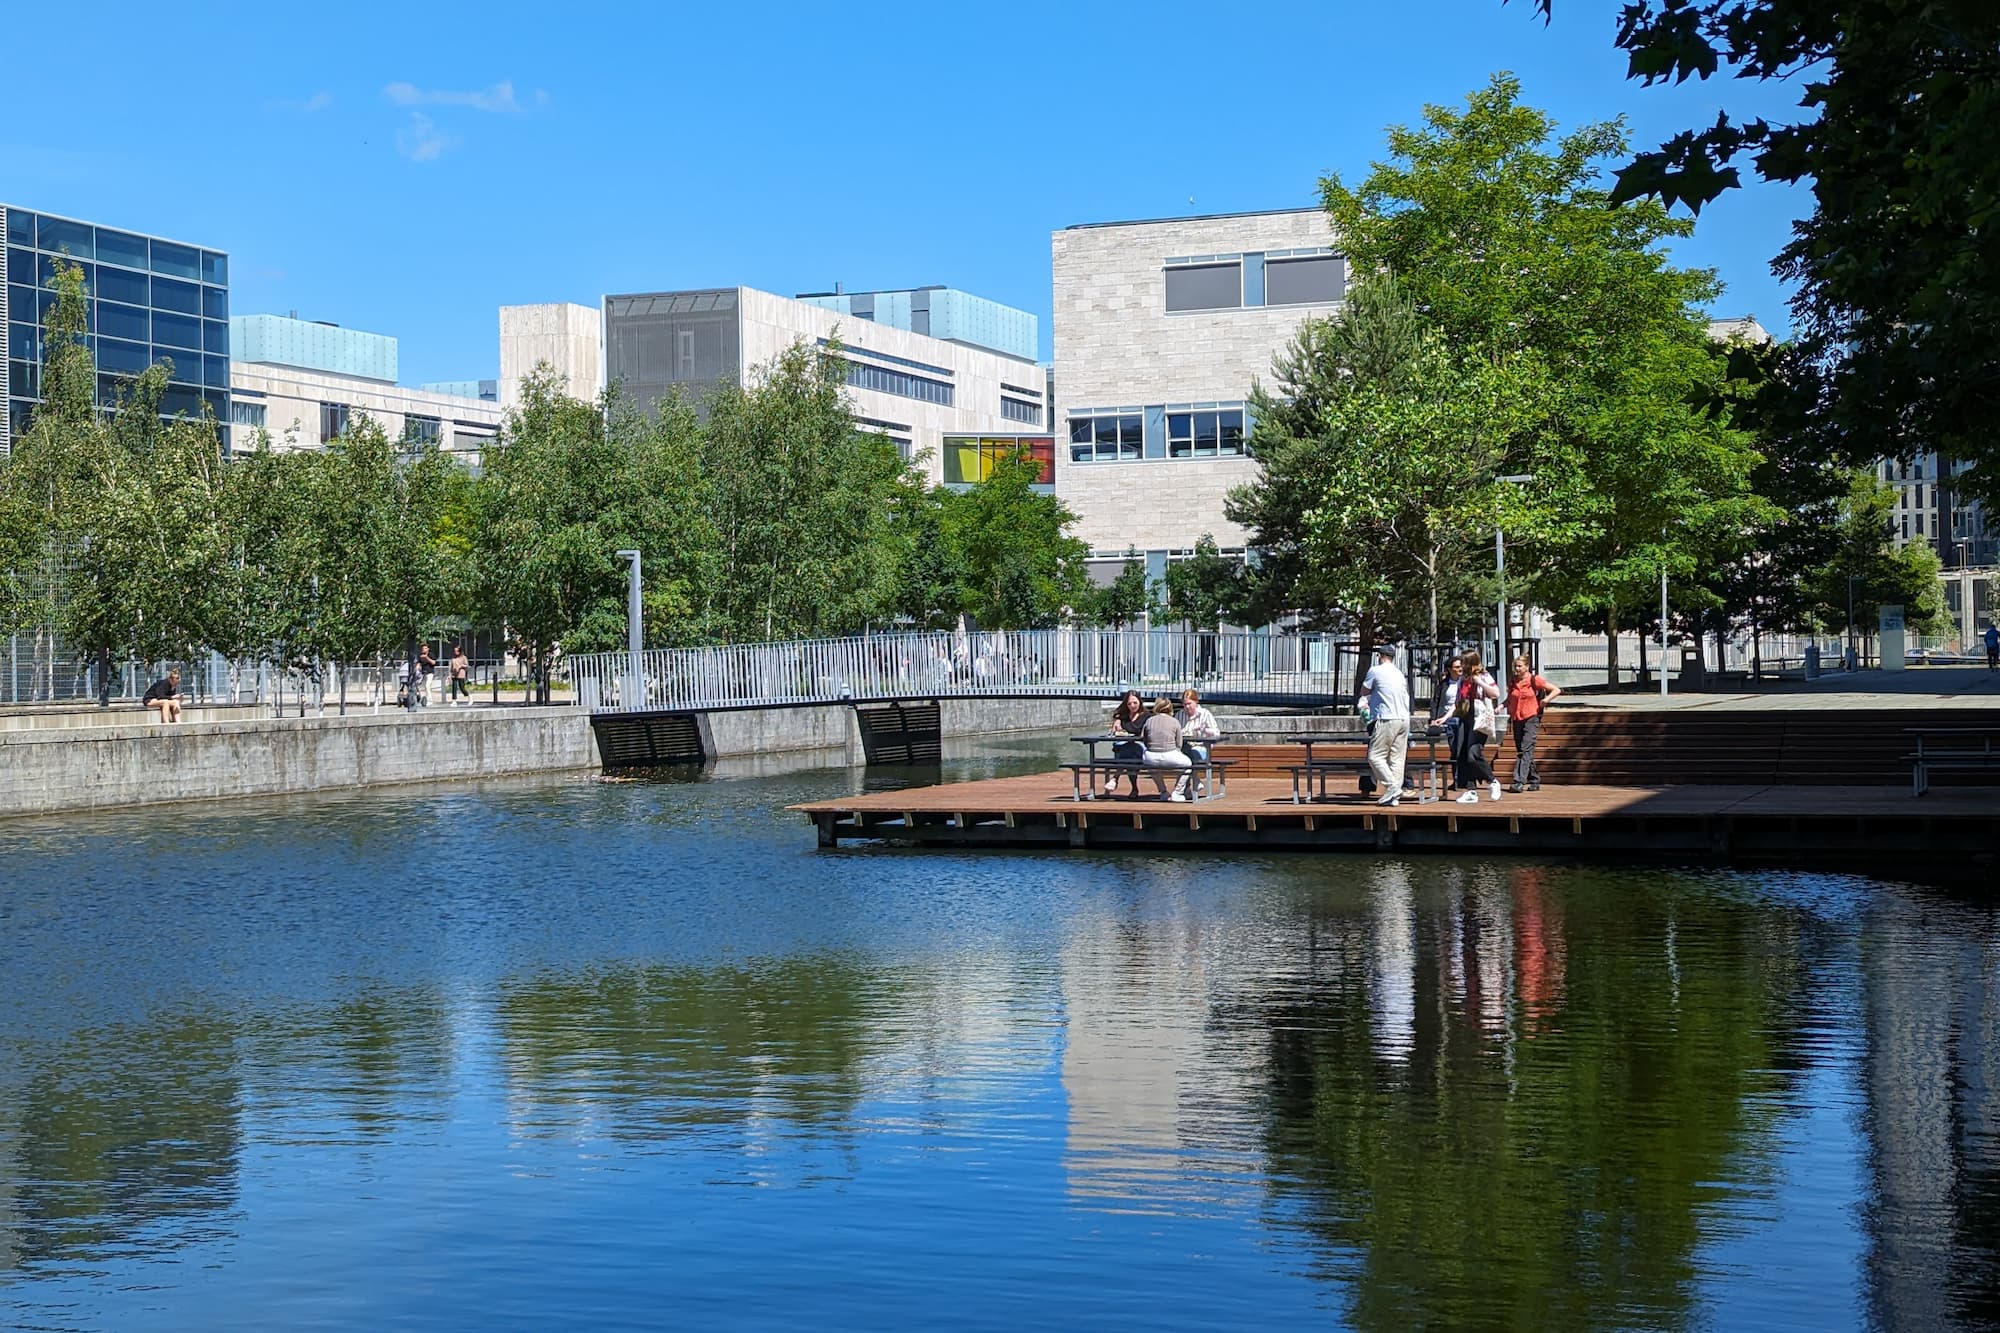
(1792, 825)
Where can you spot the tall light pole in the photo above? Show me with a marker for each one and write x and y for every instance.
(1500, 573)
(1663, 614)
(635, 633)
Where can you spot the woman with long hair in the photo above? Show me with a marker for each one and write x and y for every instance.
(1478, 695)
(1127, 721)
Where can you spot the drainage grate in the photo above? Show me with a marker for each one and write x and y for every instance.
(647, 740)
(895, 732)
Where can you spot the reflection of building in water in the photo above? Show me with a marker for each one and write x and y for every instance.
(1392, 1019)
(1159, 1096)
(1932, 989)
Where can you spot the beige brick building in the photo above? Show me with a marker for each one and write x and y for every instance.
(1160, 329)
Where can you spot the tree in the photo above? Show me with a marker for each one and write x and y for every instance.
(802, 502)
(1898, 278)
(42, 476)
(1502, 236)
(1020, 567)
(1868, 571)
(1127, 597)
(1206, 588)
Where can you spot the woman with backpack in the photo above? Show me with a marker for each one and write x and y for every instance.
(1527, 695)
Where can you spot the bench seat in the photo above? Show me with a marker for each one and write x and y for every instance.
(1212, 773)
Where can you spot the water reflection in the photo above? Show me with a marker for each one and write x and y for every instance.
(1419, 1093)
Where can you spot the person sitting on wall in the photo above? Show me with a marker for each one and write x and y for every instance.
(164, 697)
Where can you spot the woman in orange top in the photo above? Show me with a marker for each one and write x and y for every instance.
(1527, 694)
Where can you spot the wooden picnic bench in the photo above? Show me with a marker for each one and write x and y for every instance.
(1209, 777)
(1322, 766)
(1956, 749)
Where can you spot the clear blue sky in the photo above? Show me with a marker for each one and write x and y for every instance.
(408, 169)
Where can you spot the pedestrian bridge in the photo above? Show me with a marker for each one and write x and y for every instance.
(1236, 668)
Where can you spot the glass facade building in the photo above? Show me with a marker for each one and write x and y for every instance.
(149, 300)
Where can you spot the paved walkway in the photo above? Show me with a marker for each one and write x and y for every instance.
(1915, 688)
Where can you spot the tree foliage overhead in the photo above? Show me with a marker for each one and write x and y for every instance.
(1898, 277)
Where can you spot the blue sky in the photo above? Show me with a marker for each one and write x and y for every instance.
(408, 169)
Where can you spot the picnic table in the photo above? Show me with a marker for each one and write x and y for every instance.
(1962, 749)
(1212, 774)
(1323, 766)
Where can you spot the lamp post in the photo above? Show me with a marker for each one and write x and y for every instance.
(635, 633)
(1500, 574)
(1663, 615)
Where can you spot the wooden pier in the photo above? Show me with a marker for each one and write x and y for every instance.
(1880, 827)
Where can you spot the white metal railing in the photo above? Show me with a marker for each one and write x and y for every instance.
(944, 663)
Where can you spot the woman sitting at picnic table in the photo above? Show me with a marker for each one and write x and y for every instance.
(1198, 730)
(1126, 721)
(1162, 735)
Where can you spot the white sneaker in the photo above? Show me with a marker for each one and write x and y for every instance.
(1494, 794)
(1390, 800)
(1468, 798)
(1178, 796)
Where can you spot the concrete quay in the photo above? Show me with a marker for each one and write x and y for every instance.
(47, 770)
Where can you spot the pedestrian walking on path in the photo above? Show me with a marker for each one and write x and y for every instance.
(461, 670)
(1527, 695)
(1992, 647)
(1441, 713)
(1386, 698)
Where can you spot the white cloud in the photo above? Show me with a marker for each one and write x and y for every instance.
(422, 140)
(499, 99)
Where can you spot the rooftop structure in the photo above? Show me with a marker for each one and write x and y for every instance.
(941, 312)
(310, 344)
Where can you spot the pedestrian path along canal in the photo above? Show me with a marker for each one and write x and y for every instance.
(578, 1054)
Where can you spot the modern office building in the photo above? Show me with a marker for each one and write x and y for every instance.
(1160, 329)
(150, 299)
(914, 388)
(567, 336)
(302, 382)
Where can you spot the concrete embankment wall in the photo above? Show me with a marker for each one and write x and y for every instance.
(51, 770)
(834, 728)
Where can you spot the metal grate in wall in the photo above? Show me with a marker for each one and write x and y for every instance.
(647, 740)
(896, 732)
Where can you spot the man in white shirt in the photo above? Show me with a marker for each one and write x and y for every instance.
(1386, 695)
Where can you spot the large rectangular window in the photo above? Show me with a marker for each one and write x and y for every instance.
(1020, 409)
(1107, 438)
(1205, 286)
(882, 379)
(1205, 433)
(970, 459)
(247, 414)
(332, 421)
(1313, 280)
(422, 429)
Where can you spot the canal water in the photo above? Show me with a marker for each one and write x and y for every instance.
(622, 1056)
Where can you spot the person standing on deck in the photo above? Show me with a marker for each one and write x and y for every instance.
(1386, 695)
(1992, 637)
(1527, 695)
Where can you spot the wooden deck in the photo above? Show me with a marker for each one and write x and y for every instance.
(1880, 826)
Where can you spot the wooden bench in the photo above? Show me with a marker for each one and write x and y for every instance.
(1421, 774)
(1957, 749)
(1211, 774)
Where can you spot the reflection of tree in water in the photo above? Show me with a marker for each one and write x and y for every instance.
(372, 1061)
(1530, 1123)
(655, 1047)
(117, 1131)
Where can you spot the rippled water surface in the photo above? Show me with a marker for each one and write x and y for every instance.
(573, 1054)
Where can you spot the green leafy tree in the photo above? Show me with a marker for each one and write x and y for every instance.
(1128, 596)
(1206, 588)
(1020, 568)
(1898, 278)
(1867, 564)
(803, 505)
(1501, 233)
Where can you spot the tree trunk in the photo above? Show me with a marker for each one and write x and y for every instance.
(1611, 648)
(1364, 630)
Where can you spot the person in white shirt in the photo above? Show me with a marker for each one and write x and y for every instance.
(1386, 695)
(1198, 730)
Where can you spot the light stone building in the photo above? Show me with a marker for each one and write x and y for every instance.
(917, 390)
(568, 336)
(303, 386)
(1161, 327)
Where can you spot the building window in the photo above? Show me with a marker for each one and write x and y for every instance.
(421, 429)
(1205, 434)
(1020, 409)
(1315, 280)
(332, 420)
(246, 414)
(1107, 439)
(881, 379)
(1205, 286)
(970, 459)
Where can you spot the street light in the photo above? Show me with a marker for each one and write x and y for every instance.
(1500, 569)
(635, 633)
